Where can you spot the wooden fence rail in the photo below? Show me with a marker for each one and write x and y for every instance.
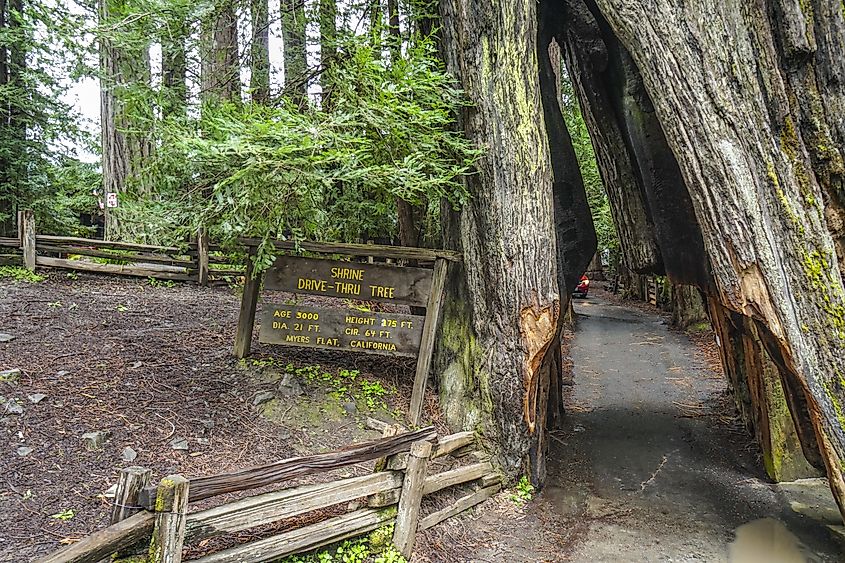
(393, 492)
(197, 261)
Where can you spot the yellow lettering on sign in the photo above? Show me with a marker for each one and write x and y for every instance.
(327, 341)
(382, 291)
(298, 339)
(352, 320)
(368, 345)
(279, 326)
(309, 284)
(347, 288)
(281, 314)
(348, 274)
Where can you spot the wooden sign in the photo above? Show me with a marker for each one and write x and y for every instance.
(342, 329)
(350, 329)
(352, 280)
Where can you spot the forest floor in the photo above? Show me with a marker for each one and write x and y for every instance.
(150, 367)
(651, 463)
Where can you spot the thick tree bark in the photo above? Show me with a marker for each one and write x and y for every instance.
(259, 81)
(501, 317)
(293, 37)
(221, 71)
(688, 308)
(124, 142)
(755, 380)
(738, 124)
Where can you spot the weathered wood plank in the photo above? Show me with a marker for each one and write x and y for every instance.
(169, 531)
(249, 301)
(109, 244)
(460, 505)
(206, 487)
(145, 272)
(271, 507)
(302, 539)
(448, 444)
(27, 232)
(375, 250)
(104, 542)
(432, 317)
(440, 481)
(11, 242)
(130, 482)
(134, 257)
(408, 515)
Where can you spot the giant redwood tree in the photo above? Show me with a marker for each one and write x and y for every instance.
(719, 134)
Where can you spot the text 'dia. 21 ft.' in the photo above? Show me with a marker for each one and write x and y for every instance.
(342, 329)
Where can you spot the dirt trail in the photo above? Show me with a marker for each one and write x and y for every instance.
(644, 469)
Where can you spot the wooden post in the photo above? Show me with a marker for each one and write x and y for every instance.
(169, 531)
(249, 301)
(202, 256)
(408, 515)
(27, 234)
(432, 317)
(129, 484)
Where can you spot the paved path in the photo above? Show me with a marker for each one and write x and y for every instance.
(643, 471)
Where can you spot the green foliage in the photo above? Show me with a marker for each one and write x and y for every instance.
(46, 44)
(523, 492)
(330, 174)
(161, 283)
(64, 515)
(19, 274)
(376, 548)
(596, 195)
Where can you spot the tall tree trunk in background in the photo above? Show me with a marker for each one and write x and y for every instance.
(296, 64)
(409, 234)
(221, 71)
(500, 331)
(260, 52)
(328, 45)
(688, 308)
(125, 139)
(174, 68)
(7, 199)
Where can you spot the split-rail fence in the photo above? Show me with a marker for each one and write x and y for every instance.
(157, 519)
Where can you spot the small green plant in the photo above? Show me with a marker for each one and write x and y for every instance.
(375, 547)
(160, 283)
(16, 273)
(373, 392)
(523, 492)
(54, 304)
(64, 515)
(72, 276)
(122, 308)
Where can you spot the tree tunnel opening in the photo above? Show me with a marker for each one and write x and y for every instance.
(718, 139)
(658, 231)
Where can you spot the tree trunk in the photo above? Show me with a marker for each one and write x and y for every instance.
(293, 37)
(174, 69)
(727, 120)
(328, 44)
(688, 308)
(737, 97)
(259, 81)
(221, 71)
(501, 321)
(755, 380)
(124, 137)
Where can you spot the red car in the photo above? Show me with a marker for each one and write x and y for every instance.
(583, 287)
